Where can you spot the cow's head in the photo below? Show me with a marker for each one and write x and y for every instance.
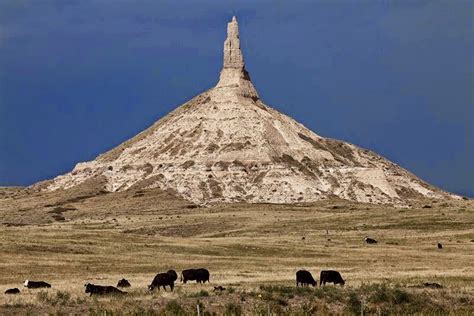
(151, 287)
(314, 283)
(88, 287)
(173, 274)
(343, 282)
(26, 283)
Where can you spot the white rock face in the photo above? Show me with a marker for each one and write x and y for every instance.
(225, 145)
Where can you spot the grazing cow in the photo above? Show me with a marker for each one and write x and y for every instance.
(440, 246)
(330, 276)
(102, 290)
(199, 275)
(12, 291)
(370, 240)
(36, 284)
(305, 278)
(164, 279)
(123, 283)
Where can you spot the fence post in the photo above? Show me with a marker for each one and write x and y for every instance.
(198, 310)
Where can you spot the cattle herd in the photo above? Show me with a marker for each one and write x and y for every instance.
(201, 275)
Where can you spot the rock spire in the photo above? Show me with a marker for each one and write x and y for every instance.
(232, 55)
(233, 74)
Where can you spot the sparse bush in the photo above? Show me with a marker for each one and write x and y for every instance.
(201, 293)
(307, 309)
(202, 309)
(101, 312)
(401, 296)
(42, 296)
(61, 298)
(384, 294)
(354, 304)
(231, 309)
(286, 291)
(174, 308)
(379, 293)
(140, 311)
(330, 293)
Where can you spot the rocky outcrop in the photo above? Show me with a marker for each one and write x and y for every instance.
(226, 145)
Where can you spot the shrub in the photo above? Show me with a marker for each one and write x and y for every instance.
(330, 293)
(101, 312)
(400, 296)
(354, 305)
(174, 308)
(380, 293)
(61, 298)
(287, 291)
(231, 309)
(201, 293)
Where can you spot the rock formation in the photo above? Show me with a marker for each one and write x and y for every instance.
(226, 145)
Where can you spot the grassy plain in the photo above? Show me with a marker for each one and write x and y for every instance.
(73, 237)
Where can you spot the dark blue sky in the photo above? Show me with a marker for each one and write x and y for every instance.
(79, 77)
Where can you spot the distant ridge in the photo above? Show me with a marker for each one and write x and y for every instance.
(226, 145)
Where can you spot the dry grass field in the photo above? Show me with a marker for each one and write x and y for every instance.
(78, 236)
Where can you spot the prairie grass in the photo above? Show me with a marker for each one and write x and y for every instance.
(251, 250)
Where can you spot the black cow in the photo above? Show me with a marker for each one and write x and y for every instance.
(219, 288)
(305, 278)
(102, 290)
(123, 283)
(370, 240)
(199, 275)
(164, 279)
(330, 276)
(36, 284)
(440, 246)
(12, 291)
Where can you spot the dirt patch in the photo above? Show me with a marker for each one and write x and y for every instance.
(291, 162)
(340, 149)
(212, 148)
(146, 168)
(408, 193)
(222, 165)
(137, 151)
(187, 164)
(316, 144)
(147, 182)
(215, 187)
(236, 146)
(259, 178)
